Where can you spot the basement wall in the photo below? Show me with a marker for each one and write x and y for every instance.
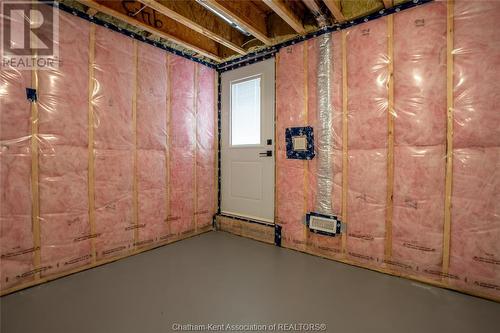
(416, 161)
(117, 156)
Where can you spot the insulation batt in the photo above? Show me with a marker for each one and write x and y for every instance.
(367, 75)
(114, 142)
(16, 236)
(183, 146)
(420, 139)
(63, 154)
(420, 132)
(152, 143)
(291, 112)
(475, 233)
(144, 178)
(205, 147)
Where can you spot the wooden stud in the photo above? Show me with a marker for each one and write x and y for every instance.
(287, 14)
(171, 30)
(387, 3)
(35, 218)
(35, 194)
(345, 156)
(216, 138)
(335, 10)
(276, 150)
(245, 15)
(91, 171)
(449, 136)
(195, 109)
(135, 163)
(196, 24)
(305, 63)
(167, 141)
(390, 140)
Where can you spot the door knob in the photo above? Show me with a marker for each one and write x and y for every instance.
(266, 153)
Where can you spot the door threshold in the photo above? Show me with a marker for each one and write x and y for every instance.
(246, 218)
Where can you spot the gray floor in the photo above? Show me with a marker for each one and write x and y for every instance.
(217, 278)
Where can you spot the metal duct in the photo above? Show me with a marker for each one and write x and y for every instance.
(324, 133)
(318, 12)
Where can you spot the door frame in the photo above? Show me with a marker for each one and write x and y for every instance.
(274, 148)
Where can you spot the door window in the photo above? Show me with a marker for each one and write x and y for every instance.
(245, 112)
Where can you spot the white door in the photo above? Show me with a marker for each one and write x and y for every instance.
(248, 142)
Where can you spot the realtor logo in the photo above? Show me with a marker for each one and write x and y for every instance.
(30, 34)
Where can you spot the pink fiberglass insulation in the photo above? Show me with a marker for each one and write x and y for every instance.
(63, 153)
(152, 196)
(367, 78)
(418, 215)
(16, 237)
(476, 52)
(475, 228)
(174, 127)
(114, 142)
(152, 98)
(152, 102)
(419, 138)
(291, 111)
(420, 129)
(205, 146)
(182, 145)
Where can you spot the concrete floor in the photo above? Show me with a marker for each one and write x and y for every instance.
(218, 278)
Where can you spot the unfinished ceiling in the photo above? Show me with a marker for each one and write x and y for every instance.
(219, 30)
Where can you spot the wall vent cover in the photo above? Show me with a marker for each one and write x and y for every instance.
(324, 224)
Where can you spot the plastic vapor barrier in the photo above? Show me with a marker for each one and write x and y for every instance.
(416, 134)
(116, 156)
(475, 246)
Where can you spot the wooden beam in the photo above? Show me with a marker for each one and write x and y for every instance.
(305, 82)
(449, 135)
(387, 3)
(335, 10)
(135, 163)
(287, 14)
(184, 12)
(158, 25)
(91, 169)
(390, 141)
(246, 15)
(345, 133)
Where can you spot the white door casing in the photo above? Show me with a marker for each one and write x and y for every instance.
(247, 182)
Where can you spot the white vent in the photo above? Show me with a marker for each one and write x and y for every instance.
(323, 224)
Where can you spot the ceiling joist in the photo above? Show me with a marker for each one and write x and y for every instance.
(287, 14)
(244, 14)
(158, 25)
(196, 18)
(91, 11)
(335, 10)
